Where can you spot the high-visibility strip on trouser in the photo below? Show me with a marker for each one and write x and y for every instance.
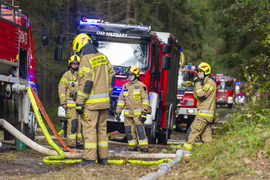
(200, 126)
(95, 134)
(74, 135)
(135, 132)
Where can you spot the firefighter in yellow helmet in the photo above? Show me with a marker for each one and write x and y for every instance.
(205, 93)
(67, 89)
(96, 79)
(134, 102)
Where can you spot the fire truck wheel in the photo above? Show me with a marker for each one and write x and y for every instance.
(151, 133)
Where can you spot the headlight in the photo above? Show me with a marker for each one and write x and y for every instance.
(190, 111)
(230, 98)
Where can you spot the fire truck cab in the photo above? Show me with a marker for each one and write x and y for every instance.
(156, 54)
(225, 93)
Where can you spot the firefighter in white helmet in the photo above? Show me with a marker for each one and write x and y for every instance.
(134, 102)
(205, 93)
(93, 100)
(67, 89)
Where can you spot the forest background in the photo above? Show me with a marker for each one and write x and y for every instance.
(233, 36)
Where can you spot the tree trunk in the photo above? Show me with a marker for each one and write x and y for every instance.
(157, 11)
(110, 10)
(128, 6)
(66, 6)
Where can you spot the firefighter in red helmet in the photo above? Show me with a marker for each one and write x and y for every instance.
(133, 101)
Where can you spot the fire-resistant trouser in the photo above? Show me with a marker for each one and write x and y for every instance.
(95, 134)
(74, 126)
(135, 132)
(200, 126)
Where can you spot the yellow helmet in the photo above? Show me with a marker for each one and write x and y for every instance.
(79, 41)
(133, 70)
(74, 59)
(204, 67)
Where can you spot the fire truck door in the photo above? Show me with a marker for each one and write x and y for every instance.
(155, 75)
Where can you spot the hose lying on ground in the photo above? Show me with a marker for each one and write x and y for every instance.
(164, 167)
(33, 144)
(58, 159)
(6, 125)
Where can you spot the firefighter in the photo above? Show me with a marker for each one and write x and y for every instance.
(134, 102)
(205, 93)
(68, 88)
(96, 79)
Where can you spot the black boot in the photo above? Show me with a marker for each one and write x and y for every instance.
(144, 149)
(85, 162)
(133, 149)
(103, 161)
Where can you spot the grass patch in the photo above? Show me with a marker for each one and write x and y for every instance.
(236, 148)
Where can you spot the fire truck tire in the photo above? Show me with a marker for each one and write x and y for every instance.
(162, 138)
(230, 106)
(151, 133)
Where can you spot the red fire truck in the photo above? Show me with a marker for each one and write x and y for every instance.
(17, 69)
(188, 108)
(157, 56)
(225, 93)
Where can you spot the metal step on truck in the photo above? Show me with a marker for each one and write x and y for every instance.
(156, 54)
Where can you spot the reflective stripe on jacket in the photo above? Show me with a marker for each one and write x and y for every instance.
(133, 99)
(97, 68)
(206, 98)
(68, 84)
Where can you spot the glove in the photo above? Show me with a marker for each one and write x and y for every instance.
(79, 108)
(117, 117)
(74, 96)
(143, 117)
(196, 79)
(202, 82)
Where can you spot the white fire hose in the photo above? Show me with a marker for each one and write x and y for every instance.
(164, 167)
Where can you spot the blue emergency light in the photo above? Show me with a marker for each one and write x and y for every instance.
(238, 83)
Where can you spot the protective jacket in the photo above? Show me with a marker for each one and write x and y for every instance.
(67, 88)
(205, 93)
(133, 99)
(94, 93)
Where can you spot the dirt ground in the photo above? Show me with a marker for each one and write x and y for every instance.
(27, 164)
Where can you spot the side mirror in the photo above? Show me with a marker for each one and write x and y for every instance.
(166, 49)
(44, 37)
(165, 62)
(58, 53)
(60, 39)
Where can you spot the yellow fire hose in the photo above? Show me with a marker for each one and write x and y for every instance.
(49, 159)
(60, 158)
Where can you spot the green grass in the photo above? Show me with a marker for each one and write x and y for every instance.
(236, 148)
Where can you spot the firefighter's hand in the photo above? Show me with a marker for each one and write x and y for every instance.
(143, 117)
(196, 79)
(117, 117)
(79, 108)
(202, 82)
